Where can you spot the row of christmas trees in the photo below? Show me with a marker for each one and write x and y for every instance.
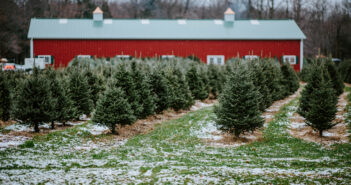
(118, 93)
(253, 86)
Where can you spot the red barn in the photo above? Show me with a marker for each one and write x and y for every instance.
(212, 41)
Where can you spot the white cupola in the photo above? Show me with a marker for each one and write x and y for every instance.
(98, 14)
(229, 15)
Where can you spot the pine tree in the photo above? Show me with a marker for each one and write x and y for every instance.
(143, 89)
(260, 82)
(238, 109)
(79, 93)
(32, 101)
(113, 108)
(69, 111)
(196, 84)
(289, 81)
(5, 97)
(335, 76)
(318, 101)
(56, 94)
(124, 80)
(160, 89)
(180, 93)
(95, 85)
(216, 79)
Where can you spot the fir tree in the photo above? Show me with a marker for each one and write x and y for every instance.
(124, 80)
(33, 100)
(260, 82)
(113, 108)
(95, 84)
(180, 93)
(143, 90)
(79, 93)
(238, 109)
(160, 89)
(318, 101)
(334, 74)
(216, 79)
(289, 80)
(196, 84)
(69, 111)
(5, 97)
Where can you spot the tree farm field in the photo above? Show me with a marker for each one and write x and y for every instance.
(175, 153)
(183, 147)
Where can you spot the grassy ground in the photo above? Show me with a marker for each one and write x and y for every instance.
(172, 154)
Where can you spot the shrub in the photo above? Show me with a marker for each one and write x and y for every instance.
(238, 109)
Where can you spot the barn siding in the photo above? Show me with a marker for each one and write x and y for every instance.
(65, 50)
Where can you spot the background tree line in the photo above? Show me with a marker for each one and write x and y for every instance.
(326, 23)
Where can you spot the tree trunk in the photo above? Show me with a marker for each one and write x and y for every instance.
(321, 133)
(36, 127)
(113, 129)
(64, 123)
(52, 125)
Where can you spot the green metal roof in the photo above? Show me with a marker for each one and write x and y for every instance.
(164, 29)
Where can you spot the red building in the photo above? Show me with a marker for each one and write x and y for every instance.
(212, 41)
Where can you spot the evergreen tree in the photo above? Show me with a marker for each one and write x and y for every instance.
(143, 90)
(273, 77)
(238, 109)
(113, 108)
(180, 93)
(79, 93)
(33, 100)
(5, 98)
(196, 84)
(160, 89)
(56, 95)
(260, 82)
(318, 101)
(95, 85)
(289, 80)
(216, 79)
(124, 80)
(334, 74)
(69, 111)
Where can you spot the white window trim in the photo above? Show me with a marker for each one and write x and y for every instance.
(215, 61)
(123, 56)
(44, 57)
(83, 56)
(287, 58)
(251, 57)
(167, 56)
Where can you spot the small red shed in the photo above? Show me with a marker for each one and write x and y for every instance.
(212, 41)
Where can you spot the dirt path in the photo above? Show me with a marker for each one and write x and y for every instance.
(337, 134)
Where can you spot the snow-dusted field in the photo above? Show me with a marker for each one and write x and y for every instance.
(176, 152)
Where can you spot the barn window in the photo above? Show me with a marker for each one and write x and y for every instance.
(48, 59)
(83, 56)
(123, 56)
(290, 59)
(251, 57)
(215, 59)
(167, 56)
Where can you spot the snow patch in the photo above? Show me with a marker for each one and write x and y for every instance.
(95, 129)
(198, 105)
(207, 131)
(7, 141)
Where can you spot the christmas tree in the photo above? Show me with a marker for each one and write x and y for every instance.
(79, 93)
(289, 80)
(335, 76)
(196, 84)
(95, 84)
(160, 89)
(216, 79)
(318, 101)
(113, 108)
(5, 97)
(238, 109)
(33, 101)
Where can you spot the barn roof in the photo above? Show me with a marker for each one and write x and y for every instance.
(164, 29)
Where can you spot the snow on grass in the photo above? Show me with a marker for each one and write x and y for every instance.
(207, 130)
(7, 141)
(198, 105)
(95, 129)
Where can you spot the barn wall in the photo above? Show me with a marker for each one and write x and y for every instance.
(66, 50)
